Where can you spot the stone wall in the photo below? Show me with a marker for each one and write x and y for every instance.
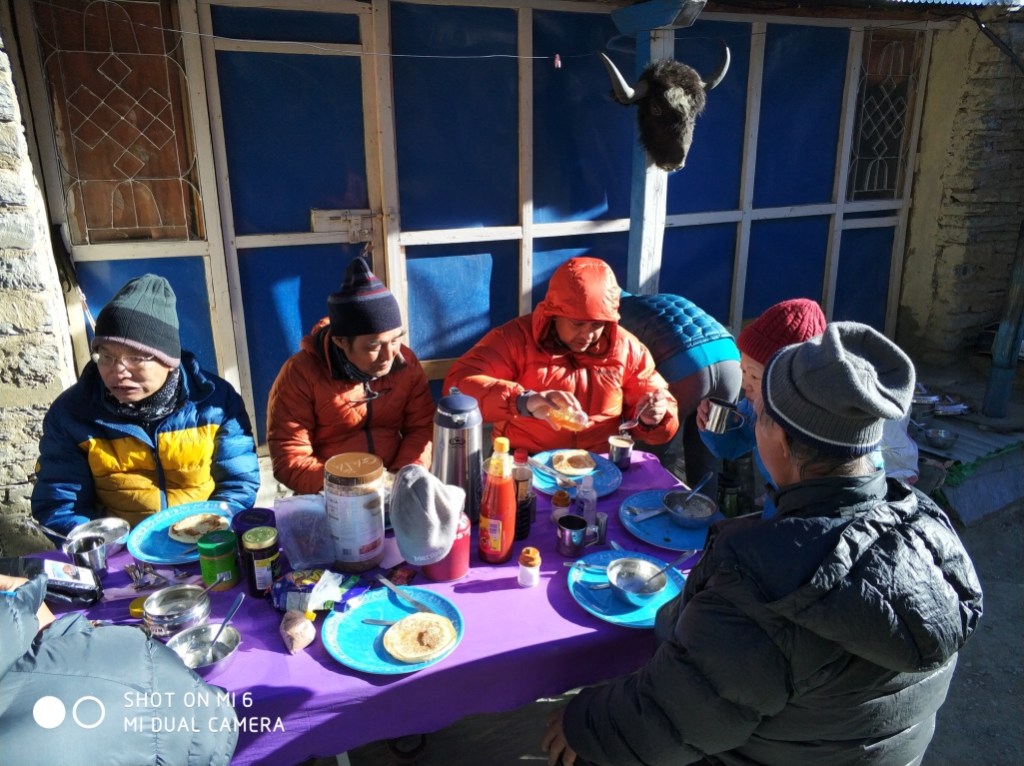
(968, 198)
(35, 350)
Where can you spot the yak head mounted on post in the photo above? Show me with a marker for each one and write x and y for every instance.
(668, 96)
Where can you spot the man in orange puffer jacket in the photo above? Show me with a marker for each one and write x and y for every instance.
(569, 357)
(352, 387)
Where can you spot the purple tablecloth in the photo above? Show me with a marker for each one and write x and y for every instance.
(520, 644)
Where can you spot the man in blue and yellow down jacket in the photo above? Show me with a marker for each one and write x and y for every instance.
(144, 428)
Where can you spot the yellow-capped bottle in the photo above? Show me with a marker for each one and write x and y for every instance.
(497, 506)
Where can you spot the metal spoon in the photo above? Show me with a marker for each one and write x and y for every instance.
(677, 560)
(221, 577)
(697, 487)
(231, 613)
(29, 522)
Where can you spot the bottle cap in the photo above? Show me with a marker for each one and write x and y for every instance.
(520, 455)
(561, 497)
(217, 543)
(529, 557)
(136, 607)
(310, 615)
(351, 468)
(501, 444)
(587, 482)
(259, 537)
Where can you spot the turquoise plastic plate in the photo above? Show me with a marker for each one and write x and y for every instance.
(605, 603)
(150, 543)
(607, 476)
(661, 531)
(361, 647)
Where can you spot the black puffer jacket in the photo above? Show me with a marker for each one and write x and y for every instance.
(827, 635)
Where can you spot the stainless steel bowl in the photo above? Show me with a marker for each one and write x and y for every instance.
(197, 652)
(627, 576)
(175, 608)
(113, 530)
(694, 514)
(941, 438)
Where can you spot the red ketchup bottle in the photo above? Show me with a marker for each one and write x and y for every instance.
(497, 506)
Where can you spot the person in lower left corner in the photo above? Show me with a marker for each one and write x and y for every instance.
(828, 634)
(79, 695)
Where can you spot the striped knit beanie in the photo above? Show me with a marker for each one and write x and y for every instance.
(783, 324)
(834, 391)
(363, 305)
(143, 315)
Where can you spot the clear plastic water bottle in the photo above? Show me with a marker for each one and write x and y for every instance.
(586, 501)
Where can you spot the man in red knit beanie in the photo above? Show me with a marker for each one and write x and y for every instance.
(791, 321)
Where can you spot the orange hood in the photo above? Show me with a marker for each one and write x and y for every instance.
(580, 289)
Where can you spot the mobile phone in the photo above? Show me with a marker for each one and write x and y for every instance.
(65, 581)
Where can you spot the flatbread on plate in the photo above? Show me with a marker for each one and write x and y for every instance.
(573, 462)
(191, 528)
(420, 637)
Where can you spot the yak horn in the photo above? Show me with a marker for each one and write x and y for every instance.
(723, 67)
(620, 89)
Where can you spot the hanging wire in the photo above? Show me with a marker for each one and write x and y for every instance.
(556, 58)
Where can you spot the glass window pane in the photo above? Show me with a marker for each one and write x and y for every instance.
(118, 92)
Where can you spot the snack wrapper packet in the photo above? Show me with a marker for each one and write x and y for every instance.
(297, 630)
(305, 590)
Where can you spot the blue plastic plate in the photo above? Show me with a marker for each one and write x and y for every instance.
(661, 531)
(150, 543)
(607, 476)
(361, 647)
(606, 603)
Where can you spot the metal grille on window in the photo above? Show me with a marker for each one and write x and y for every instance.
(888, 86)
(118, 92)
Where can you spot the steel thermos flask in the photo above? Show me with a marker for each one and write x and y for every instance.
(458, 433)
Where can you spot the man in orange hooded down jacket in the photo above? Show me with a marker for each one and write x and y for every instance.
(568, 358)
(352, 387)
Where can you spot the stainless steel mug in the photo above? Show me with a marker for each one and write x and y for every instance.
(572, 534)
(620, 450)
(458, 435)
(723, 416)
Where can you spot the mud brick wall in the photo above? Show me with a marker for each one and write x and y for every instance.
(968, 197)
(35, 350)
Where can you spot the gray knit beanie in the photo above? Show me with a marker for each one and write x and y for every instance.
(142, 315)
(425, 514)
(835, 391)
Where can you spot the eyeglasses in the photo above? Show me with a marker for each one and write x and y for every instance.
(130, 361)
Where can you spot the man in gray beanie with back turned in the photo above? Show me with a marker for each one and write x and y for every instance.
(145, 427)
(827, 634)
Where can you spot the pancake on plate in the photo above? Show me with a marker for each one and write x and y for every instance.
(191, 528)
(420, 637)
(573, 462)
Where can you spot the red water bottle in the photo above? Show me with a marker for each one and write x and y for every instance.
(497, 506)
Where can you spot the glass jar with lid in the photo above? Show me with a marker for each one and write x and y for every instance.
(354, 502)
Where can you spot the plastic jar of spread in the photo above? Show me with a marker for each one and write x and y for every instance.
(354, 502)
(218, 552)
(263, 559)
